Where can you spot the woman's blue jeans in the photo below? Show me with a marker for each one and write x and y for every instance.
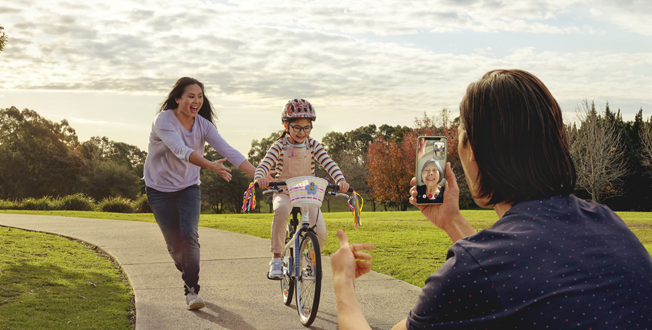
(177, 214)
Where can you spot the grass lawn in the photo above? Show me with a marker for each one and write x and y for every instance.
(52, 282)
(408, 247)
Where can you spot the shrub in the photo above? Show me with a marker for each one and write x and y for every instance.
(76, 202)
(116, 204)
(43, 203)
(141, 204)
(9, 205)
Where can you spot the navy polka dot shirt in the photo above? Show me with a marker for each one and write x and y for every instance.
(560, 263)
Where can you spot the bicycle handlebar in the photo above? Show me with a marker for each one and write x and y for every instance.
(273, 186)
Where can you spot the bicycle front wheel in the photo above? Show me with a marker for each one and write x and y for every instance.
(308, 284)
(287, 283)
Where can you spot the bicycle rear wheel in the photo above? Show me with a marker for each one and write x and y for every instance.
(308, 284)
(287, 282)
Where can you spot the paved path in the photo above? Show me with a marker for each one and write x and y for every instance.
(232, 276)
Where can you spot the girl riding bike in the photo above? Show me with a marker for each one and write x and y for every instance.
(294, 154)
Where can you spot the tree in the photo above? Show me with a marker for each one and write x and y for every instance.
(223, 196)
(50, 164)
(110, 178)
(646, 146)
(255, 156)
(12, 173)
(3, 38)
(349, 151)
(100, 149)
(390, 170)
(597, 152)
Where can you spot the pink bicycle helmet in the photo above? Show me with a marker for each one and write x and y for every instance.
(298, 108)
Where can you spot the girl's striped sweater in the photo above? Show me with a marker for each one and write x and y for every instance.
(317, 151)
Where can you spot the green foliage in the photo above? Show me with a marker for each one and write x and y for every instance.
(51, 282)
(43, 203)
(39, 158)
(42, 160)
(116, 204)
(76, 202)
(3, 38)
(141, 204)
(110, 178)
(222, 196)
(259, 148)
(9, 205)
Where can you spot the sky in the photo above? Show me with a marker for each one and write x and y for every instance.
(107, 66)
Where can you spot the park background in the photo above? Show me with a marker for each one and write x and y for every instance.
(81, 83)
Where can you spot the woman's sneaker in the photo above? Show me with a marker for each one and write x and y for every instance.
(275, 269)
(193, 301)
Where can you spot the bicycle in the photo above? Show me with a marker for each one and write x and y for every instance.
(301, 259)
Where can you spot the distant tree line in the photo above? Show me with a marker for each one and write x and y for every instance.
(38, 157)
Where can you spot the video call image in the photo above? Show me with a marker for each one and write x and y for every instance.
(431, 155)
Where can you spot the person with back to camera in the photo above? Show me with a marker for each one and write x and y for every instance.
(431, 174)
(171, 174)
(294, 154)
(551, 261)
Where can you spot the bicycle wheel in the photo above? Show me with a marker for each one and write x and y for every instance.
(308, 285)
(287, 283)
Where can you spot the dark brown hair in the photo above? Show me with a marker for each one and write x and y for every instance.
(206, 110)
(519, 140)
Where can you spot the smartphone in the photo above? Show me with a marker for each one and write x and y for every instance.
(430, 165)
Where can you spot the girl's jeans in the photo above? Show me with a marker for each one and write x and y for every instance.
(177, 214)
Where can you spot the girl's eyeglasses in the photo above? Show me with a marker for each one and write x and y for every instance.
(298, 129)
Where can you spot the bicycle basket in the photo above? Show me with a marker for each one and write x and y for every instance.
(306, 191)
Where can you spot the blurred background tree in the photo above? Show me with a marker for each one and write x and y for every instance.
(3, 38)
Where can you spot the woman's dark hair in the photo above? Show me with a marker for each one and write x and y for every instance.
(518, 137)
(206, 110)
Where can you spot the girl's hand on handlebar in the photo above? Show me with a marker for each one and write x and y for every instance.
(262, 183)
(343, 186)
(219, 168)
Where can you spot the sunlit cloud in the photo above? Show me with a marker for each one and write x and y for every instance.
(255, 55)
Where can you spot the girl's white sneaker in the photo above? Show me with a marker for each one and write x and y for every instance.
(275, 269)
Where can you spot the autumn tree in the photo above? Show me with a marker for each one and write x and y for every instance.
(391, 166)
(597, 153)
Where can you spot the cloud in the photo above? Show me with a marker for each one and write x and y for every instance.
(270, 51)
(630, 15)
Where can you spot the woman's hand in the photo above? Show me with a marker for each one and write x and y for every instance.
(262, 182)
(343, 186)
(447, 215)
(344, 261)
(219, 168)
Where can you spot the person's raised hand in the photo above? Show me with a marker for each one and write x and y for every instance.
(349, 262)
(219, 168)
(440, 214)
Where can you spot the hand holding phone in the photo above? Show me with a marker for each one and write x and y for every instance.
(429, 172)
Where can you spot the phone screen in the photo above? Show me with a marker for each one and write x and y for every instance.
(430, 165)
